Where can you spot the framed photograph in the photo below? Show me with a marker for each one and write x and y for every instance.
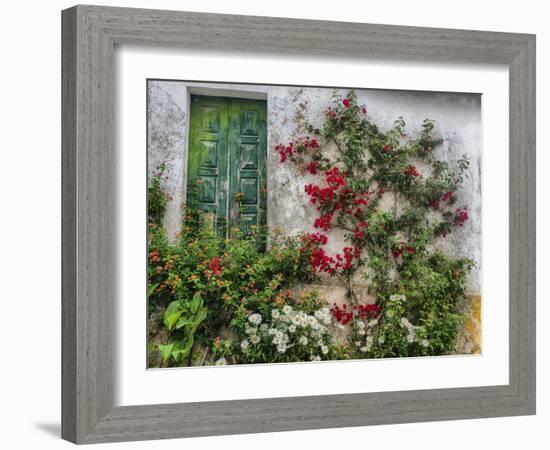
(268, 230)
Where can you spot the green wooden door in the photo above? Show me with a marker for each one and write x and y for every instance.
(227, 159)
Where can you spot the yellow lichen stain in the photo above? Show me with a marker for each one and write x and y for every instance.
(469, 340)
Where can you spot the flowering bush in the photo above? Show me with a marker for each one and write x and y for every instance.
(286, 335)
(392, 248)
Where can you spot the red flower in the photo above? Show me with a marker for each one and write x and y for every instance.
(345, 102)
(363, 109)
(285, 151)
(334, 177)
(397, 253)
(310, 143)
(412, 171)
(461, 216)
(312, 167)
(214, 266)
(324, 222)
(329, 112)
(387, 148)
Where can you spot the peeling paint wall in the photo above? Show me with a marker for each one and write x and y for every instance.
(458, 122)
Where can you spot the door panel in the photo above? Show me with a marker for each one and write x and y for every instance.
(208, 156)
(227, 158)
(248, 142)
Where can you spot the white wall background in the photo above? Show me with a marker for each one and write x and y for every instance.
(30, 225)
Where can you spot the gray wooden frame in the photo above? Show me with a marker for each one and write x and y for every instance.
(89, 36)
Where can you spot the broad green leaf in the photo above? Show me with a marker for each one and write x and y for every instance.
(182, 349)
(196, 303)
(172, 314)
(165, 351)
(182, 322)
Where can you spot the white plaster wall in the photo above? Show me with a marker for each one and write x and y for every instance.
(458, 122)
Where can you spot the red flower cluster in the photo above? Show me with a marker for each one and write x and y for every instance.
(401, 248)
(334, 177)
(214, 266)
(345, 315)
(324, 222)
(285, 151)
(314, 238)
(349, 254)
(321, 262)
(363, 109)
(325, 196)
(412, 171)
(345, 102)
(312, 167)
(446, 197)
(387, 148)
(461, 216)
(358, 231)
(310, 143)
(329, 112)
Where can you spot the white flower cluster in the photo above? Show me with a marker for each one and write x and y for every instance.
(397, 298)
(411, 333)
(363, 329)
(288, 329)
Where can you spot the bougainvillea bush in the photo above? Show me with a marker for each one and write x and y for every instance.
(224, 301)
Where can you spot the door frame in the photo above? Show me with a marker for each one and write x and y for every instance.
(227, 91)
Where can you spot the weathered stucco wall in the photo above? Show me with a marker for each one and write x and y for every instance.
(458, 122)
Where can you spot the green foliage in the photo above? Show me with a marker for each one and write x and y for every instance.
(230, 276)
(182, 319)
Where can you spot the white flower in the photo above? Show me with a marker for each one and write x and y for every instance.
(275, 314)
(221, 362)
(361, 332)
(361, 325)
(405, 323)
(303, 340)
(272, 331)
(244, 345)
(263, 327)
(292, 328)
(255, 339)
(316, 358)
(287, 309)
(373, 322)
(255, 319)
(323, 315)
(410, 338)
(364, 349)
(324, 349)
(390, 313)
(425, 343)
(250, 330)
(381, 339)
(397, 298)
(281, 348)
(341, 326)
(358, 343)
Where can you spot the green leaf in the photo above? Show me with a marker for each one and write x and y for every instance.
(172, 314)
(196, 303)
(151, 289)
(165, 351)
(182, 349)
